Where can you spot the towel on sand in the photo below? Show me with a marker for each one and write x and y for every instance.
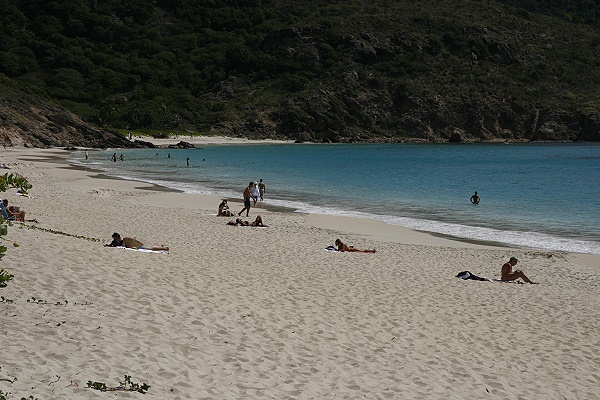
(144, 250)
(466, 275)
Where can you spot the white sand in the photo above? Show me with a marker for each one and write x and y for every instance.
(266, 313)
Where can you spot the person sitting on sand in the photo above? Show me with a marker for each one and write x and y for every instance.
(508, 274)
(132, 243)
(14, 211)
(344, 247)
(224, 210)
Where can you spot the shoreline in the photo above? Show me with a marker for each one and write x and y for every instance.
(335, 222)
(408, 235)
(245, 313)
(531, 227)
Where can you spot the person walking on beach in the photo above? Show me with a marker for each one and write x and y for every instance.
(261, 189)
(475, 199)
(247, 196)
(507, 273)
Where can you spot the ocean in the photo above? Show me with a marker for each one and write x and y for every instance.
(542, 196)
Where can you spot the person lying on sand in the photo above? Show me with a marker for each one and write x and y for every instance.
(132, 243)
(257, 222)
(343, 247)
(224, 210)
(238, 221)
(507, 273)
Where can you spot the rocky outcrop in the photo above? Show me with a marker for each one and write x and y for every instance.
(32, 122)
(181, 145)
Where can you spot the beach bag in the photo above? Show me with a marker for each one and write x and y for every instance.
(468, 275)
(132, 243)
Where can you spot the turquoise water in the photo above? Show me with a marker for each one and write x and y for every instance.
(543, 196)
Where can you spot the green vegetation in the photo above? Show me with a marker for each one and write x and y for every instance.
(127, 385)
(578, 11)
(54, 231)
(327, 68)
(9, 181)
(5, 276)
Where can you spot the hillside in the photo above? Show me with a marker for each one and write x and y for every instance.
(378, 70)
(30, 120)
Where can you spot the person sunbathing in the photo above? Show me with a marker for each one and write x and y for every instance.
(257, 222)
(238, 221)
(15, 212)
(507, 273)
(344, 247)
(132, 243)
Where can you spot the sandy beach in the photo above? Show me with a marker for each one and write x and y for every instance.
(266, 313)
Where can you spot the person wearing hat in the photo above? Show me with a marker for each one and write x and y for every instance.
(509, 275)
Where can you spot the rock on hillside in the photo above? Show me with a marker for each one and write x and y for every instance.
(31, 122)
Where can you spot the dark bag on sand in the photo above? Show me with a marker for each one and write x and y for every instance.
(132, 243)
(467, 275)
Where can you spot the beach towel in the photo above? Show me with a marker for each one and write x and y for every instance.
(466, 275)
(143, 250)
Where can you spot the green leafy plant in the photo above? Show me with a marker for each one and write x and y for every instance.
(5, 300)
(101, 386)
(127, 386)
(60, 233)
(134, 387)
(14, 181)
(4, 276)
(9, 181)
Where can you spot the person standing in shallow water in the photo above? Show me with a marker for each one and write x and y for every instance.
(261, 189)
(255, 192)
(475, 198)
